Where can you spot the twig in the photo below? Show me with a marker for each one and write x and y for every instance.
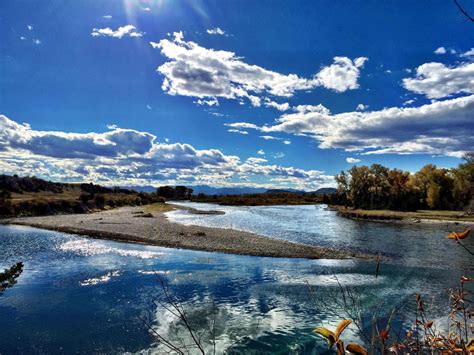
(464, 12)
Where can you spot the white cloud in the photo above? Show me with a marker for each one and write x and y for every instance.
(468, 54)
(342, 75)
(237, 131)
(195, 71)
(129, 157)
(242, 125)
(107, 17)
(211, 102)
(146, 8)
(124, 31)
(216, 31)
(351, 160)
(441, 128)
(256, 160)
(285, 106)
(435, 80)
(440, 50)
(36, 41)
(29, 27)
(409, 102)
(287, 142)
(23, 38)
(261, 152)
(362, 107)
(269, 138)
(148, 107)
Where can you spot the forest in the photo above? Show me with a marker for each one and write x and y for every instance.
(432, 187)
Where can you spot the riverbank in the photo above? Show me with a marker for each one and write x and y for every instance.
(149, 225)
(447, 217)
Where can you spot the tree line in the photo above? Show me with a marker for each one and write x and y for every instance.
(175, 193)
(378, 187)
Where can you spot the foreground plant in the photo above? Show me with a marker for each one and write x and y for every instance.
(335, 338)
(458, 236)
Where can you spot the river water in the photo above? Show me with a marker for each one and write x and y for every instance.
(80, 295)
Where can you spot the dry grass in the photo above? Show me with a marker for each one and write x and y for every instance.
(70, 194)
(158, 208)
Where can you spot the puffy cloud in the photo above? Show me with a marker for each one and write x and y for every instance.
(342, 75)
(114, 143)
(129, 157)
(443, 128)
(124, 31)
(216, 31)
(362, 107)
(440, 50)
(351, 160)
(195, 71)
(261, 152)
(436, 80)
(280, 107)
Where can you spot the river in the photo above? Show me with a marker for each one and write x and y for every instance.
(81, 295)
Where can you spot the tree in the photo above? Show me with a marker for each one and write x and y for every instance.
(433, 195)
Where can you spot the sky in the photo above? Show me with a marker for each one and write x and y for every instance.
(232, 93)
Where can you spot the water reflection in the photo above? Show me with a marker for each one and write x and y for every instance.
(85, 295)
(8, 276)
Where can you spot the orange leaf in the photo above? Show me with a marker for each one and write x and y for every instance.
(459, 235)
(357, 349)
(340, 347)
(341, 326)
(384, 334)
(429, 324)
(329, 335)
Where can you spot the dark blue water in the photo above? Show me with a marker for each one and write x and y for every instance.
(80, 295)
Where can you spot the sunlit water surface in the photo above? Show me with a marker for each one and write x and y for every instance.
(79, 295)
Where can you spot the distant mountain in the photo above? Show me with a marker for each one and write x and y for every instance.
(325, 191)
(209, 190)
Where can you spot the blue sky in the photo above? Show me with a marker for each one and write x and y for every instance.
(165, 91)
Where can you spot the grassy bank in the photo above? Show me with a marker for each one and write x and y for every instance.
(30, 196)
(451, 216)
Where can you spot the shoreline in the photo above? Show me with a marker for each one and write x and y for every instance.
(450, 218)
(148, 225)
